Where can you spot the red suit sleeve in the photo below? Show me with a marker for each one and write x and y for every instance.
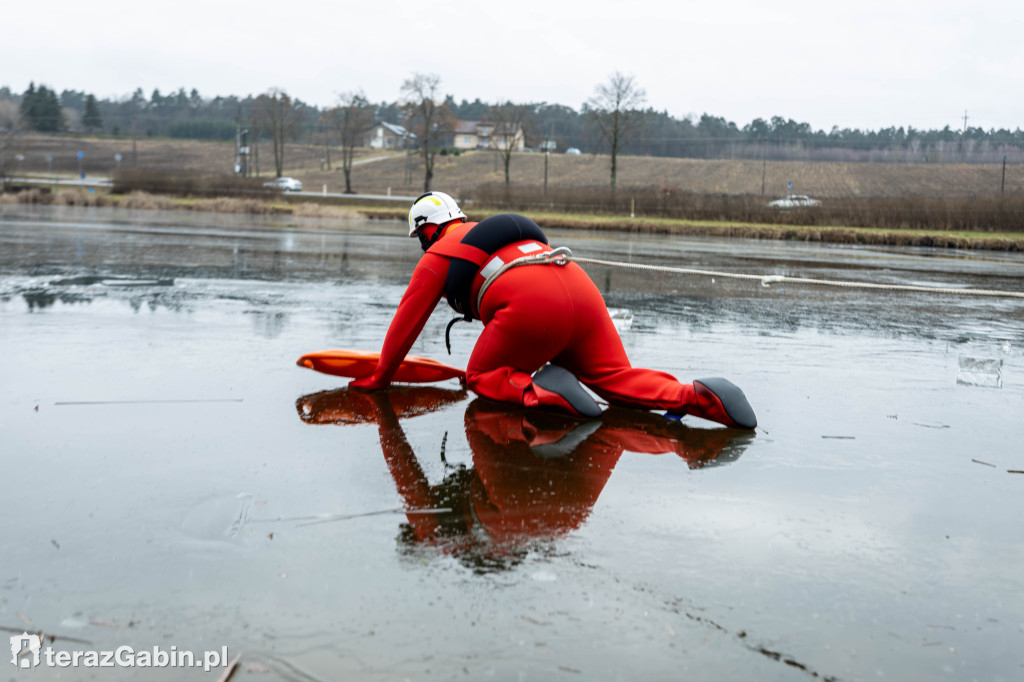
(421, 296)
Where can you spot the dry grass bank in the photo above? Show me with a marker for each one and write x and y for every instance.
(993, 241)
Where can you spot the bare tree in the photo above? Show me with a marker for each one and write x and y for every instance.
(277, 116)
(510, 122)
(350, 119)
(432, 122)
(324, 123)
(9, 118)
(615, 109)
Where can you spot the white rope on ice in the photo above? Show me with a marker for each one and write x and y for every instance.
(563, 255)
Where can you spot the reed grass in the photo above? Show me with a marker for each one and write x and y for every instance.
(988, 213)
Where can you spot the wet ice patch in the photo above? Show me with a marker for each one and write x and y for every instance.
(980, 371)
(218, 518)
(75, 621)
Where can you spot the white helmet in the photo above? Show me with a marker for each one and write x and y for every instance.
(436, 208)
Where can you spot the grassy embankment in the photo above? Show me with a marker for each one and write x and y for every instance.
(950, 205)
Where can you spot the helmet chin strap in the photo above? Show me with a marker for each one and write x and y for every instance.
(427, 242)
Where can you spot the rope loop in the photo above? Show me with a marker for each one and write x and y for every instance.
(560, 256)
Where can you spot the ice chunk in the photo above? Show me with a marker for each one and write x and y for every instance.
(980, 371)
(622, 318)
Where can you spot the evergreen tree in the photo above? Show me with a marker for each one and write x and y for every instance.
(28, 105)
(41, 110)
(91, 118)
(52, 116)
(389, 112)
(72, 99)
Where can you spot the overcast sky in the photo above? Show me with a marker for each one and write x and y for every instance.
(867, 64)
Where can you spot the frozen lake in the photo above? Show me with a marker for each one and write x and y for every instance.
(171, 478)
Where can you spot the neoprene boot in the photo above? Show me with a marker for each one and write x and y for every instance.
(555, 387)
(718, 400)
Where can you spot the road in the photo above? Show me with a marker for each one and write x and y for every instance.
(100, 181)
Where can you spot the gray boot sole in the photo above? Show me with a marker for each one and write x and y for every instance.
(561, 381)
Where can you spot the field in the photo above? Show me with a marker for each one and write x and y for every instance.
(459, 175)
(735, 177)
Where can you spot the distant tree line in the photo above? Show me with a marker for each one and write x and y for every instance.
(187, 114)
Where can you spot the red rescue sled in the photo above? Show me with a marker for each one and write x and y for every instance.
(357, 364)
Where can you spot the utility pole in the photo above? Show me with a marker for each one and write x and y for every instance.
(327, 146)
(963, 138)
(241, 146)
(135, 149)
(241, 150)
(764, 162)
(547, 154)
(1002, 184)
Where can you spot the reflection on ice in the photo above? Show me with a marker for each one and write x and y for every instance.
(268, 324)
(535, 476)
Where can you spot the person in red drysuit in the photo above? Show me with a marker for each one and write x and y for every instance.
(533, 315)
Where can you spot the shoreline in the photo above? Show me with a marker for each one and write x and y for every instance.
(977, 241)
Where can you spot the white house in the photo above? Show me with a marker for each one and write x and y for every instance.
(384, 135)
(487, 135)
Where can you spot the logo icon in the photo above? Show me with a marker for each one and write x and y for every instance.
(21, 643)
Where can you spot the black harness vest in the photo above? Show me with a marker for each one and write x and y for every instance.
(470, 254)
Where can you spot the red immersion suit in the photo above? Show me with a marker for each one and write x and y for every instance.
(532, 315)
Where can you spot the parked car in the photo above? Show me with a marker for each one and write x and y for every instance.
(572, 151)
(794, 201)
(284, 184)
